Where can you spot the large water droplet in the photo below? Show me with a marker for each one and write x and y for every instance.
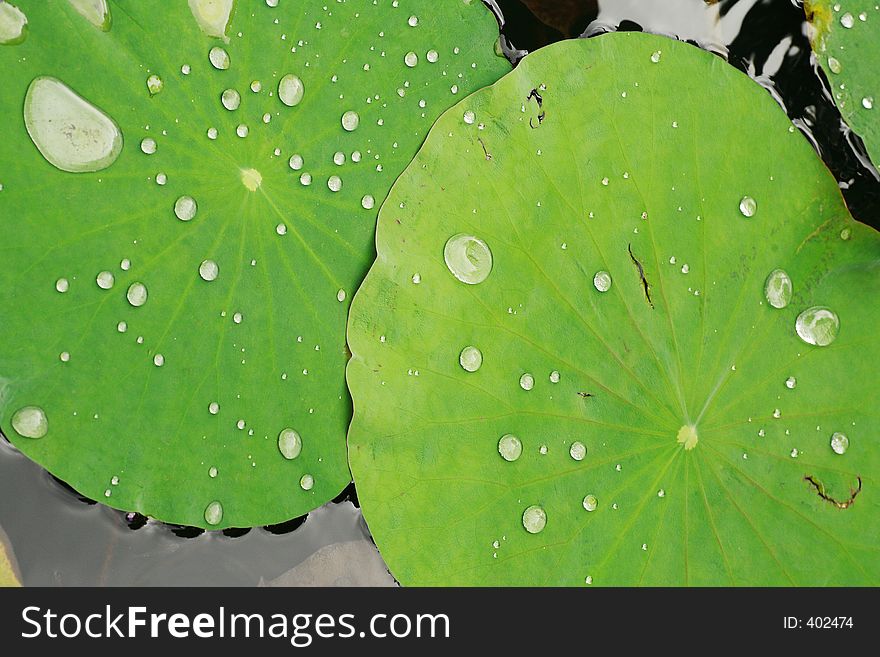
(577, 451)
(534, 519)
(470, 359)
(411, 59)
(777, 289)
(105, 280)
(290, 90)
(137, 294)
(591, 503)
(748, 206)
(368, 202)
(334, 183)
(307, 482)
(817, 325)
(847, 20)
(148, 145)
(71, 133)
(212, 15)
(510, 447)
(231, 99)
(296, 162)
(602, 281)
(185, 208)
(527, 381)
(214, 513)
(95, 11)
(219, 58)
(468, 258)
(351, 120)
(209, 270)
(30, 422)
(289, 443)
(13, 24)
(839, 442)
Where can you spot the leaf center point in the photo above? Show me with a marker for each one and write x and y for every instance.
(252, 179)
(687, 436)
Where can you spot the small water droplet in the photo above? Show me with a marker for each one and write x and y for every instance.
(748, 206)
(62, 285)
(213, 408)
(591, 503)
(847, 20)
(350, 121)
(122, 327)
(468, 258)
(289, 444)
(30, 422)
(307, 482)
(834, 65)
(655, 56)
(790, 383)
(105, 280)
(534, 519)
(212, 133)
(817, 326)
(185, 208)
(296, 162)
(64, 356)
(778, 288)
(71, 133)
(602, 281)
(510, 447)
(577, 451)
(432, 56)
(839, 442)
(137, 294)
(469, 117)
(339, 158)
(214, 513)
(158, 360)
(154, 84)
(470, 359)
(554, 376)
(367, 202)
(290, 90)
(526, 381)
(209, 270)
(219, 58)
(148, 145)
(231, 99)
(212, 472)
(305, 179)
(340, 295)
(794, 453)
(868, 102)
(777, 413)
(334, 183)
(661, 493)
(411, 59)
(237, 317)
(413, 21)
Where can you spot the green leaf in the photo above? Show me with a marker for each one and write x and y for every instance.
(845, 36)
(693, 419)
(130, 391)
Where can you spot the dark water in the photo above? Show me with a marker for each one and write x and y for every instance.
(60, 539)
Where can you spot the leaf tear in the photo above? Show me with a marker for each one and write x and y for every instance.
(642, 277)
(819, 487)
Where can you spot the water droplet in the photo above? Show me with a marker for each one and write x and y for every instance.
(212, 133)
(64, 356)
(554, 377)
(212, 472)
(242, 131)
(432, 56)
(591, 503)
(839, 442)
(185, 208)
(510, 447)
(661, 493)
(542, 450)
(685, 268)
(125, 264)
(290, 90)
(577, 451)
(334, 183)
(185, 69)
(847, 20)
(30, 422)
(62, 285)
(339, 158)
(213, 408)
(834, 65)
(470, 359)
(602, 281)
(122, 327)
(161, 179)
(790, 383)
(794, 453)
(296, 162)
(588, 579)
(468, 258)
(148, 145)
(340, 295)
(469, 117)
(534, 519)
(158, 360)
(868, 102)
(71, 133)
(526, 381)
(281, 229)
(305, 179)
(137, 294)
(231, 99)
(95, 12)
(777, 289)
(817, 326)
(13, 25)
(105, 280)
(416, 278)
(748, 206)
(289, 444)
(219, 58)
(307, 482)
(237, 317)
(154, 84)
(655, 56)
(411, 59)
(212, 15)
(214, 513)
(350, 120)
(209, 270)
(413, 21)
(367, 202)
